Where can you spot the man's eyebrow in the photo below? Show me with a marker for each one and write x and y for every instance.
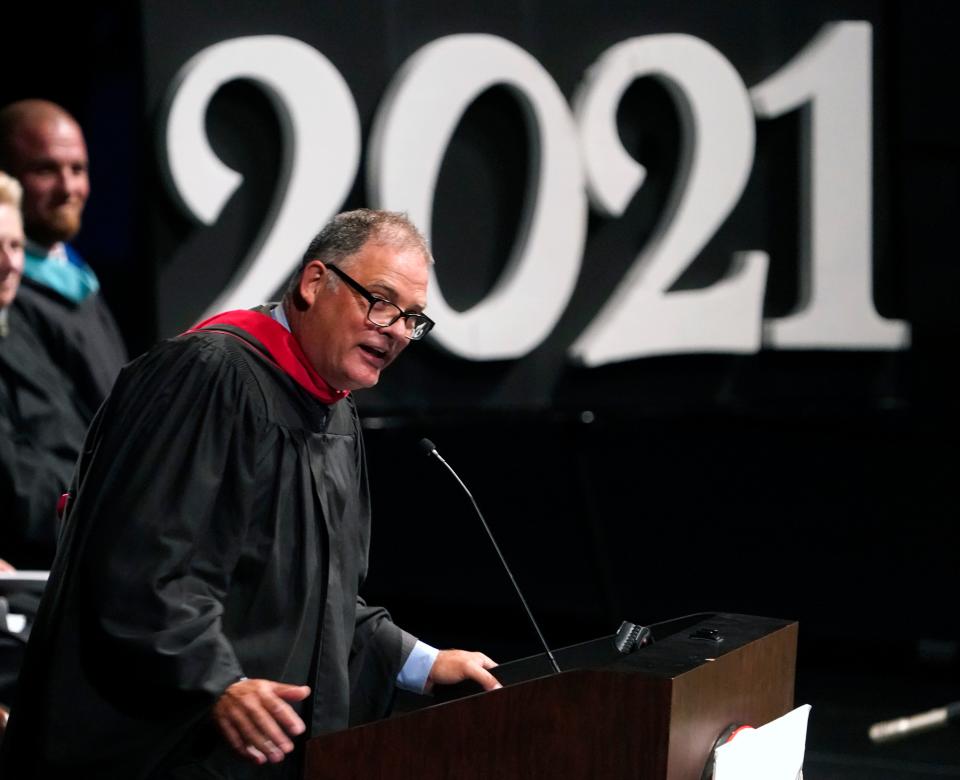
(42, 162)
(385, 286)
(390, 294)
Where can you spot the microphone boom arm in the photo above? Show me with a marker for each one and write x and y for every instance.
(430, 449)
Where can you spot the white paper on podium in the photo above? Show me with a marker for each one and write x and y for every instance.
(771, 752)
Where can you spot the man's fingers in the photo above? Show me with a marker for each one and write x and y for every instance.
(231, 734)
(487, 680)
(485, 661)
(257, 722)
(274, 741)
(241, 733)
(453, 666)
(256, 733)
(291, 692)
(283, 714)
(477, 670)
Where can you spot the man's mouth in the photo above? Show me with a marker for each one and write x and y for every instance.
(380, 354)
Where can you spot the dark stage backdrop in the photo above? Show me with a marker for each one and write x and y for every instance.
(654, 422)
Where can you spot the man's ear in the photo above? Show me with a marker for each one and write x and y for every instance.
(313, 279)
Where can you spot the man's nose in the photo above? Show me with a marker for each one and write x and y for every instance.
(68, 180)
(398, 330)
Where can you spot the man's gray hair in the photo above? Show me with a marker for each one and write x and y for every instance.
(347, 233)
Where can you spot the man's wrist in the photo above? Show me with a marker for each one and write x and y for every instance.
(416, 670)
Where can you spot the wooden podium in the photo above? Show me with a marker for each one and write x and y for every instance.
(651, 715)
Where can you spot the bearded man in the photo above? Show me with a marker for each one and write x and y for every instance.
(42, 146)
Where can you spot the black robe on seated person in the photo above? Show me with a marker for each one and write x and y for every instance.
(219, 528)
(41, 432)
(81, 338)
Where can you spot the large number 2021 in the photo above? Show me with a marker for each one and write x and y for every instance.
(578, 155)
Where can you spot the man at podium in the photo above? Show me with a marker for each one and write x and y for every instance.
(203, 618)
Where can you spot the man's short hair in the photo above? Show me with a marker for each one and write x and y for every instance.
(19, 114)
(11, 193)
(347, 233)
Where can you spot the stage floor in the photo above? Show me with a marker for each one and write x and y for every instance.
(846, 703)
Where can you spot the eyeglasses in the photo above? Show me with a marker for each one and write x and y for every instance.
(384, 313)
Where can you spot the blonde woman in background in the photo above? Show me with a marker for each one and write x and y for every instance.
(41, 433)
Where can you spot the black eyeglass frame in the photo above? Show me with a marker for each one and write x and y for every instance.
(422, 324)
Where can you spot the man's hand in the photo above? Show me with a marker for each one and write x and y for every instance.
(4, 566)
(257, 721)
(453, 666)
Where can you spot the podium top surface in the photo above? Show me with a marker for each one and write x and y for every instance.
(679, 645)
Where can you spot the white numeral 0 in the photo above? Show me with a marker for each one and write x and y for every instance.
(410, 136)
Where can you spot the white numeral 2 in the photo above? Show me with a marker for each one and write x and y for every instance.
(321, 148)
(642, 318)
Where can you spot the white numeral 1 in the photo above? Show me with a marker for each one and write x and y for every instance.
(830, 80)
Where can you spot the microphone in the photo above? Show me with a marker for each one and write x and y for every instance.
(902, 727)
(430, 449)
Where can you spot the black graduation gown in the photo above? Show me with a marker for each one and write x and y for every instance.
(82, 338)
(41, 432)
(220, 528)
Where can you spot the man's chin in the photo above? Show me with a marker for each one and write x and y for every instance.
(62, 228)
(364, 384)
(361, 380)
(6, 297)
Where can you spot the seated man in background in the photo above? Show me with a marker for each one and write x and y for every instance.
(43, 147)
(41, 432)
